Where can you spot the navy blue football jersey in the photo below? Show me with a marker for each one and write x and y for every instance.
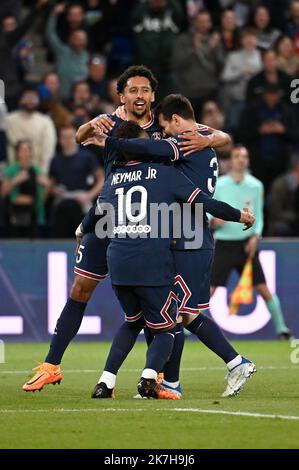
(137, 253)
(200, 167)
(110, 154)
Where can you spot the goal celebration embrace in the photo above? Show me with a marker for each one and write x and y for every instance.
(148, 222)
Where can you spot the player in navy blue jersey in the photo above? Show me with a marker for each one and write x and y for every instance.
(127, 335)
(136, 88)
(141, 265)
(193, 264)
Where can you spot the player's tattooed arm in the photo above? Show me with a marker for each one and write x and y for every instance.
(194, 141)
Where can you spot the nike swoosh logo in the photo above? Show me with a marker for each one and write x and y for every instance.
(30, 383)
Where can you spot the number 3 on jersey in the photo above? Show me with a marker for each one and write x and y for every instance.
(214, 165)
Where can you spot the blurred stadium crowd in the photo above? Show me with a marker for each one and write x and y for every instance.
(235, 60)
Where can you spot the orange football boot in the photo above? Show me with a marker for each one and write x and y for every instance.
(46, 374)
(165, 394)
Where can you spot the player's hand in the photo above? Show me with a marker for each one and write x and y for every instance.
(251, 245)
(103, 123)
(121, 113)
(79, 235)
(193, 142)
(247, 218)
(98, 140)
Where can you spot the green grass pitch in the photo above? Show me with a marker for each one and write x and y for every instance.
(66, 417)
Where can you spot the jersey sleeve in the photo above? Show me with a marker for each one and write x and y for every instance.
(90, 220)
(157, 148)
(186, 191)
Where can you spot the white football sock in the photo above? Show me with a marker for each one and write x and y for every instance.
(108, 378)
(235, 362)
(149, 374)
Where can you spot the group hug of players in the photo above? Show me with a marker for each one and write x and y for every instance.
(162, 283)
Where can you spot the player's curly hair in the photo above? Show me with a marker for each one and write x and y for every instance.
(136, 71)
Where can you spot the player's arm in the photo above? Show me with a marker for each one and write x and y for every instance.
(101, 124)
(186, 191)
(222, 210)
(164, 148)
(195, 141)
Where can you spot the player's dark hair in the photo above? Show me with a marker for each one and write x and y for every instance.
(136, 71)
(175, 104)
(130, 130)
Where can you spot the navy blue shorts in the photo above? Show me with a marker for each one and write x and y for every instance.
(156, 305)
(91, 257)
(193, 279)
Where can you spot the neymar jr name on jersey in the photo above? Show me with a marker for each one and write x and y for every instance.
(119, 178)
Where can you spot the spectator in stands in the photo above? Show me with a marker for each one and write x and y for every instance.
(72, 58)
(80, 115)
(292, 29)
(99, 20)
(283, 204)
(211, 115)
(270, 74)
(241, 8)
(76, 179)
(197, 61)
(266, 35)
(268, 128)
(229, 32)
(156, 24)
(112, 102)
(10, 35)
(29, 124)
(287, 59)
(97, 69)
(71, 19)
(239, 67)
(23, 186)
(81, 96)
(50, 102)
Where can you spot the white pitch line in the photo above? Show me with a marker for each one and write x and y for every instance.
(142, 410)
(186, 369)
